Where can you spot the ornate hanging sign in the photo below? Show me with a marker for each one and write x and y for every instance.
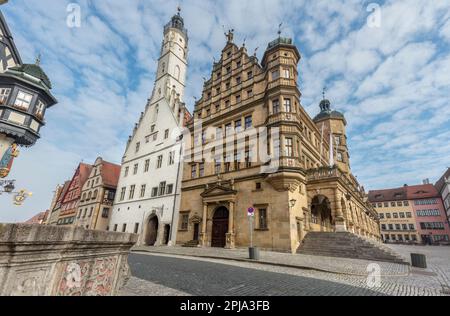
(7, 160)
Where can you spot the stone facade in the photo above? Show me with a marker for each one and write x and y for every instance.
(38, 260)
(292, 181)
(443, 186)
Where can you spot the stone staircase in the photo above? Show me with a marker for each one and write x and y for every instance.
(347, 245)
(191, 244)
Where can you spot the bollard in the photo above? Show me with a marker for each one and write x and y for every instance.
(418, 260)
(253, 253)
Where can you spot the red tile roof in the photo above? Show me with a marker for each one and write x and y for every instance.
(422, 191)
(110, 174)
(396, 194)
(36, 219)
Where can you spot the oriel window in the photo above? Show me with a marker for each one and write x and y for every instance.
(23, 100)
(4, 93)
(287, 105)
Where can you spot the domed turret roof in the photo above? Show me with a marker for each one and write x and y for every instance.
(326, 112)
(33, 70)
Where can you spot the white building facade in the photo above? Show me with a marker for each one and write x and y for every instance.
(148, 192)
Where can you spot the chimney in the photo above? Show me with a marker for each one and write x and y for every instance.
(426, 181)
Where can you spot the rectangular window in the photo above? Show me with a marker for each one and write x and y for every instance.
(288, 147)
(404, 227)
(154, 191)
(381, 215)
(105, 212)
(124, 228)
(218, 167)
(250, 75)
(402, 215)
(162, 188)
(249, 93)
(262, 217)
(388, 215)
(159, 162)
(391, 227)
(171, 158)
(122, 194)
(138, 145)
(115, 227)
(147, 165)
(248, 122)
(136, 228)
(238, 99)
(143, 190)
(408, 214)
(287, 105)
(39, 111)
(275, 74)
(166, 134)
(169, 189)
(152, 128)
(286, 73)
(193, 171)
(131, 194)
(201, 169)
(184, 221)
(228, 129)
(397, 226)
(126, 171)
(383, 226)
(147, 139)
(395, 215)
(219, 133)
(238, 80)
(275, 106)
(4, 93)
(411, 226)
(237, 126)
(135, 168)
(23, 100)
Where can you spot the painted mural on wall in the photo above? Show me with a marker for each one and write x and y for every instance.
(7, 160)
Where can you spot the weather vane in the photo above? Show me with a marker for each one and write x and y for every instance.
(279, 29)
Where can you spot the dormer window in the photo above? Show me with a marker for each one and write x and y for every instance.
(39, 109)
(23, 100)
(4, 94)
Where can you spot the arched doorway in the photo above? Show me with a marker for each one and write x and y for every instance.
(220, 227)
(152, 231)
(321, 214)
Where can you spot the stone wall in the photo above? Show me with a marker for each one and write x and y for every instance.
(60, 261)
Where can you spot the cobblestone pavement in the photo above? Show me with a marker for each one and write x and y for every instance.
(139, 287)
(321, 263)
(438, 262)
(203, 276)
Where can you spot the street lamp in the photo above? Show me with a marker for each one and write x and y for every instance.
(9, 187)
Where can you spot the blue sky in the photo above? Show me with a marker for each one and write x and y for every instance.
(392, 81)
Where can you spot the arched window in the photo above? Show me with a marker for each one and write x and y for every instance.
(84, 197)
(95, 194)
(89, 195)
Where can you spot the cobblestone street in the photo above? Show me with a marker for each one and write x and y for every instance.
(208, 274)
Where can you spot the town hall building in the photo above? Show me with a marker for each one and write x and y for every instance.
(148, 191)
(297, 181)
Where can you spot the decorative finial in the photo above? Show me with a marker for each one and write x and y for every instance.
(179, 9)
(245, 39)
(323, 92)
(279, 29)
(38, 59)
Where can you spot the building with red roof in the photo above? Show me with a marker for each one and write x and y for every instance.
(71, 198)
(97, 196)
(432, 223)
(38, 218)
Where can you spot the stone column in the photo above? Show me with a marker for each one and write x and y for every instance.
(230, 235)
(203, 241)
(340, 225)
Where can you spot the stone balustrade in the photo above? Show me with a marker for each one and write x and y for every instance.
(62, 261)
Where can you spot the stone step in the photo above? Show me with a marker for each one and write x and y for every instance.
(191, 244)
(347, 245)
